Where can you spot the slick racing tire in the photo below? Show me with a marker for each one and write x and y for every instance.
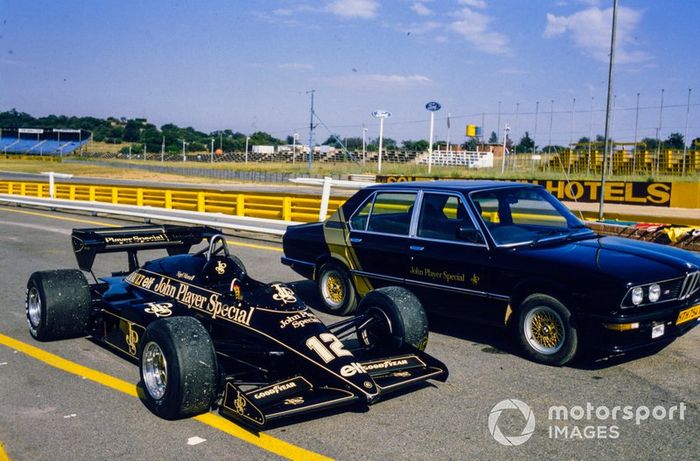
(336, 289)
(58, 304)
(546, 330)
(178, 368)
(393, 317)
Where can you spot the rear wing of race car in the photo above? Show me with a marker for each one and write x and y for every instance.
(87, 243)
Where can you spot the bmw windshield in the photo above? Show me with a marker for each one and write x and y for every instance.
(526, 215)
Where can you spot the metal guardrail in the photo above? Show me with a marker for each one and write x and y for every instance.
(240, 223)
(291, 208)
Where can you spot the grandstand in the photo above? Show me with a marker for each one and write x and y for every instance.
(39, 141)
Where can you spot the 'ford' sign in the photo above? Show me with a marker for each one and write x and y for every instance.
(381, 114)
(433, 106)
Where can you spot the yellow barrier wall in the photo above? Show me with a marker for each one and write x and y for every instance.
(299, 208)
(289, 207)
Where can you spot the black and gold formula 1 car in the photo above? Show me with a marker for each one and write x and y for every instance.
(206, 334)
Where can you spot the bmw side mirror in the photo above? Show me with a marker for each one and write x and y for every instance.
(469, 234)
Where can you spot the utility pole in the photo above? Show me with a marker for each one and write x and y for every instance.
(212, 150)
(551, 121)
(607, 109)
(311, 130)
(498, 123)
(658, 135)
(162, 151)
(685, 135)
(534, 135)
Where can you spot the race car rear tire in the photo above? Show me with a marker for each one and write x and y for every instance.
(397, 318)
(58, 304)
(178, 368)
(546, 330)
(336, 289)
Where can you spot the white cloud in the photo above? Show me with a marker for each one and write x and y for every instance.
(363, 9)
(590, 31)
(380, 81)
(474, 27)
(473, 3)
(421, 9)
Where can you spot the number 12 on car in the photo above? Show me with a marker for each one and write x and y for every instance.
(329, 351)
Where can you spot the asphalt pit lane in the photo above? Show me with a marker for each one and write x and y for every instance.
(493, 350)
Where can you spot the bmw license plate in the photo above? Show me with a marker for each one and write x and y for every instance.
(688, 314)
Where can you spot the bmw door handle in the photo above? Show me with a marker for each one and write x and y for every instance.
(355, 240)
(416, 248)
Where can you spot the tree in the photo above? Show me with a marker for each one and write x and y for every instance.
(333, 141)
(526, 144)
(675, 141)
(650, 143)
(493, 139)
(469, 145)
(415, 146)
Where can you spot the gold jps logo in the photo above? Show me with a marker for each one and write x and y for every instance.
(159, 309)
(132, 338)
(220, 267)
(284, 294)
(475, 280)
(240, 404)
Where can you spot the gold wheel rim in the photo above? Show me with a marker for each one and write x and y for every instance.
(544, 330)
(334, 288)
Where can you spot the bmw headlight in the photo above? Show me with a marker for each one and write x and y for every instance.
(637, 296)
(654, 292)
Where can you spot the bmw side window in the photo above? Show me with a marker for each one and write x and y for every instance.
(359, 219)
(442, 216)
(391, 213)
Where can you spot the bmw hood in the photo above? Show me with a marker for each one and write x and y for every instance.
(639, 260)
(614, 258)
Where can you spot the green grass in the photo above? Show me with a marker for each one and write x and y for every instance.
(319, 168)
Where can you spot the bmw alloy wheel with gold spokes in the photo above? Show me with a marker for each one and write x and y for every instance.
(546, 330)
(336, 289)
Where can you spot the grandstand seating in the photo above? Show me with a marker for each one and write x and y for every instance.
(46, 143)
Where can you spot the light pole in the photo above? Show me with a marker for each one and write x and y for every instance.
(247, 139)
(433, 107)
(364, 145)
(184, 154)
(381, 115)
(162, 151)
(212, 150)
(294, 147)
(505, 141)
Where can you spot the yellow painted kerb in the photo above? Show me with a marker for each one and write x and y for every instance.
(263, 441)
(3, 455)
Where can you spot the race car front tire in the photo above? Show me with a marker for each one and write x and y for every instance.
(178, 368)
(336, 289)
(395, 317)
(58, 304)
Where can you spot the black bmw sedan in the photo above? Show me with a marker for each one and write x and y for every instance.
(506, 254)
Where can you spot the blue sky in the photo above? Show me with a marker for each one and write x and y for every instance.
(247, 65)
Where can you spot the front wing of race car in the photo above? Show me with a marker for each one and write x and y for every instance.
(260, 406)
